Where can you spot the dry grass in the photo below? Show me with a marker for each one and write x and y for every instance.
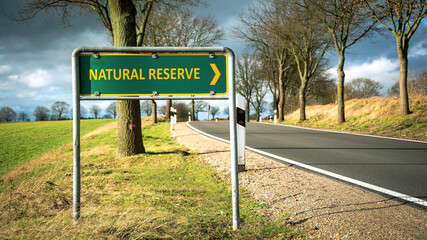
(167, 193)
(377, 116)
(100, 130)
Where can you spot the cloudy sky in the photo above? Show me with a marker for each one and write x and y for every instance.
(35, 56)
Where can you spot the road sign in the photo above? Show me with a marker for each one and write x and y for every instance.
(191, 71)
(141, 74)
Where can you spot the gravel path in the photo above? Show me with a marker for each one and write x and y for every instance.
(321, 207)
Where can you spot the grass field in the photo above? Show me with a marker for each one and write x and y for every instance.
(20, 142)
(166, 193)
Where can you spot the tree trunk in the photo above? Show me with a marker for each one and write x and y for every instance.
(154, 111)
(129, 137)
(282, 95)
(340, 88)
(192, 111)
(402, 52)
(168, 110)
(273, 91)
(302, 99)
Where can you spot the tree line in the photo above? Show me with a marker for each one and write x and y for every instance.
(58, 111)
(288, 41)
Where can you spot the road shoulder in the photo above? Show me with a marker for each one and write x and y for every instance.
(321, 207)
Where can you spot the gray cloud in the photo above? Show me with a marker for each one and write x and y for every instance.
(35, 57)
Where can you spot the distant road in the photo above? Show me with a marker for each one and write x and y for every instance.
(397, 165)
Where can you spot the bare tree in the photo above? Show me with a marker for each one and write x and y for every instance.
(41, 113)
(245, 79)
(162, 109)
(402, 18)
(7, 114)
(308, 43)
(362, 88)
(112, 109)
(181, 27)
(226, 111)
(251, 84)
(322, 90)
(214, 111)
(200, 106)
(83, 111)
(119, 17)
(258, 94)
(95, 110)
(146, 107)
(268, 71)
(23, 116)
(265, 28)
(394, 90)
(418, 84)
(264, 107)
(59, 108)
(347, 22)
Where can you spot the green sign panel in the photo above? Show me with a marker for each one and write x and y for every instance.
(166, 74)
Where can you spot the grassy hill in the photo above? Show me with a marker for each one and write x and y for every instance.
(375, 116)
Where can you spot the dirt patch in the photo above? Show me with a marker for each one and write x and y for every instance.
(98, 150)
(100, 130)
(321, 207)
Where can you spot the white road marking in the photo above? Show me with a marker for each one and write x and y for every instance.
(327, 173)
(348, 133)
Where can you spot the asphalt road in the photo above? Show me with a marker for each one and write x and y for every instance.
(397, 165)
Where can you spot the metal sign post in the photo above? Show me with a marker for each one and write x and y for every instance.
(76, 137)
(158, 73)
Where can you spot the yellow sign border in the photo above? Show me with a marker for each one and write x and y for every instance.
(162, 54)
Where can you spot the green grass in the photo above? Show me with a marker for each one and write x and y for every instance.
(166, 193)
(20, 142)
